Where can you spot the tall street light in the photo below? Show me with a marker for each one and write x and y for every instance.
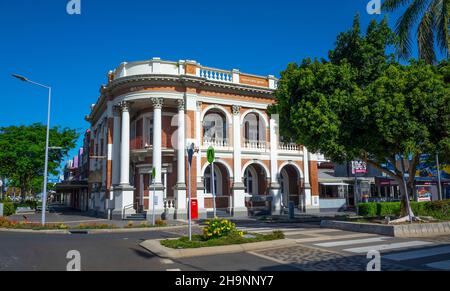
(44, 192)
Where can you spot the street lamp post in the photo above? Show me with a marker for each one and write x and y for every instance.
(44, 192)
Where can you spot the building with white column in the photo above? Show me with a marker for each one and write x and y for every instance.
(151, 111)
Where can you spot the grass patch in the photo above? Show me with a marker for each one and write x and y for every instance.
(199, 241)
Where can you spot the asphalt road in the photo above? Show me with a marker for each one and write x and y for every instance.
(110, 252)
(316, 249)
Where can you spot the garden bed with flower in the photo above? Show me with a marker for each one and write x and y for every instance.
(219, 233)
(23, 225)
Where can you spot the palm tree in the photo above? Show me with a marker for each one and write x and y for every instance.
(432, 20)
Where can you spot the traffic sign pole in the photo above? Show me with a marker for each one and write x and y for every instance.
(213, 189)
(190, 153)
(210, 154)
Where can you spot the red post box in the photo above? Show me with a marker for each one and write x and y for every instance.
(194, 209)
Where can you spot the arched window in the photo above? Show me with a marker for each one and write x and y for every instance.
(254, 129)
(214, 127)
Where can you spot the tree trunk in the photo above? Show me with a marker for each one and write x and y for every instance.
(405, 207)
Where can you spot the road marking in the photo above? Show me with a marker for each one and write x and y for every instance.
(275, 260)
(173, 270)
(166, 261)
(268, 229)
(323, 238)
(442, 265)
(388, 246)
(352, 242)
(418, 254)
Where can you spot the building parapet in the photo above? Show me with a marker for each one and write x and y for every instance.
(191, 68)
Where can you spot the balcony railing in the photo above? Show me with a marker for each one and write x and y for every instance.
(256, 144)
(216, 74)
(216, 142)
(139, 143)
(289, 147)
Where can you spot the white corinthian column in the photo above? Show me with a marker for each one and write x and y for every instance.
(180, 189)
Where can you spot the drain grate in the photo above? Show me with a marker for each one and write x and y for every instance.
(76, 231)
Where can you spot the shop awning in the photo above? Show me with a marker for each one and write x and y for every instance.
(334, 184)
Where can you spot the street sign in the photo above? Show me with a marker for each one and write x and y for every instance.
(190, 152)
(210, 154)
(153, 173)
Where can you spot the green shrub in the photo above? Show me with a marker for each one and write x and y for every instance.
(199, 241)
(437, 209)
(217, 228)
(8, 208)
(388, 209)
(367, 209)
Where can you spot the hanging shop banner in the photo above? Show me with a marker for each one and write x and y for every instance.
(359, 167)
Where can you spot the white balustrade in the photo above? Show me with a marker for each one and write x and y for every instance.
(255, 144)
(289, 147)
(216, 142)
(216, 75)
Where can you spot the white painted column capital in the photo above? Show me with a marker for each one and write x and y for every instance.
(125, 147)
(307, 185)
(274, 140)
(157, 142)
(181, 179)
(237, 146)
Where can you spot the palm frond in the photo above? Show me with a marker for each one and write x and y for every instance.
(441, 13)
(391, 5)
(425, 39)
(405, 25)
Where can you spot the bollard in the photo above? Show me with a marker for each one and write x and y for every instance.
(291, 210)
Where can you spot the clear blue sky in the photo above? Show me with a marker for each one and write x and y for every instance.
(73, 53)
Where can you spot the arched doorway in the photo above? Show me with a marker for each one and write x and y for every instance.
(290, 183)
(222, 187)
(255, 180)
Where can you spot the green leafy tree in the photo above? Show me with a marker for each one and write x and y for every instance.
(22, 154)
(431, 18)
(362, 105)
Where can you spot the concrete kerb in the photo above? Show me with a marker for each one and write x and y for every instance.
(94, 231)
(404, 230)
(155, 247)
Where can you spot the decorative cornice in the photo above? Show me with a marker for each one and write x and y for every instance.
(157, 103)
(192, 81)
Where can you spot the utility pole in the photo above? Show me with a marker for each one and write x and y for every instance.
(440, 196)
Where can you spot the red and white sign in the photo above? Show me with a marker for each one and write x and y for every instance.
(359, 167)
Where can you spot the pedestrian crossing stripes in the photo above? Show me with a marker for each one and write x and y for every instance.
(385, 247)
(351, 242)
(412, 253)
(442, 265)
(418, 254)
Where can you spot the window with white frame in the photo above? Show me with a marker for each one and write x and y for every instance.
(214, 126)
